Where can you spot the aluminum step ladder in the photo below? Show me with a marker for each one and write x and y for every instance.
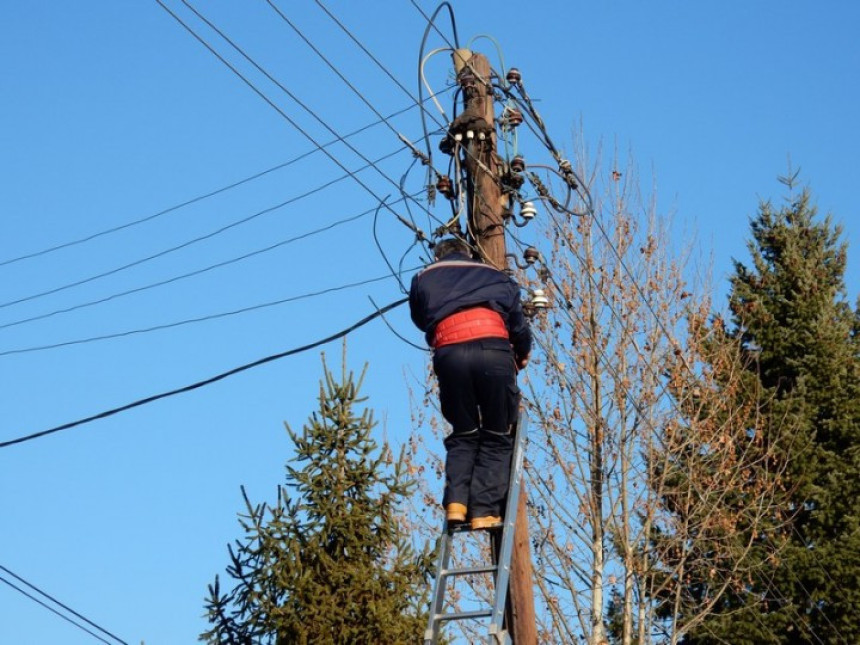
(501, 543)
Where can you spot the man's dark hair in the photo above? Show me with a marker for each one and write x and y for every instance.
(452, 245)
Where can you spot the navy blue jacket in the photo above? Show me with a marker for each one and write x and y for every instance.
(457, 282)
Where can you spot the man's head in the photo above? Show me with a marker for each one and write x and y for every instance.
(451, 245)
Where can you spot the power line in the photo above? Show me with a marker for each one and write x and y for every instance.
(343, 27)
(208, 381)
(199, 319)
(185, 245)
(57, 602)
(333, 68)
(291, 121)
(199, 198)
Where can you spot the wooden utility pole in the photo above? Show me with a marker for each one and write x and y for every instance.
(474, 129)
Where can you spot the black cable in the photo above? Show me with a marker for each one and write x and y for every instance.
(208, 381)
(189, 321)
(432, 19)
(394, 331)
(52, 609)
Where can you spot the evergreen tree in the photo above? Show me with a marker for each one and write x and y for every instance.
(330, 562)
(790, 314)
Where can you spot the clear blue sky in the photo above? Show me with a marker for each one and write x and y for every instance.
(112, 113)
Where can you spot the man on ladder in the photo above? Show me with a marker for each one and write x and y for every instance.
(473, 319)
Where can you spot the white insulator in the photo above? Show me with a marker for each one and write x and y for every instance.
(470, 134)
(539, 299)
(458, 137)
(528, 210)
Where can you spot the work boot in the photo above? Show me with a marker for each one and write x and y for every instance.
(487, 522)
(455, 512)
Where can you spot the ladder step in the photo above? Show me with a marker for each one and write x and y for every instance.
(465, 571)
(464, 615)
(465, 527)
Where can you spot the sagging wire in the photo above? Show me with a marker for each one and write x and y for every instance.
(401, 187)
(102, 415)
(423, 78)
(545, 195)
(431, 20)
(403, 257)
(535, 122)
(395, 332)
(379, 246)
(422, 59)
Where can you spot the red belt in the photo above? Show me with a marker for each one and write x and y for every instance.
(470, 324)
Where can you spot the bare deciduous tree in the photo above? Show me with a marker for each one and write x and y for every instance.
(644, 444)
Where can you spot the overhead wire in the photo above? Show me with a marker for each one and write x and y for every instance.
(395, 332)
(545, 140)
(203, 383)
(426, 159)
(336, 71)
(417, 101)
(199, 198)
(44, 594)
(200, 319)
(183, 245)
(196, 272)
(293, 97)
(425, 82)
(431, 22)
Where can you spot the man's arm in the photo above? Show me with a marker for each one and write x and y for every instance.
(416, 305)
(519, 330)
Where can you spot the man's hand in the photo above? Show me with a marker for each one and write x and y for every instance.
(522, 362)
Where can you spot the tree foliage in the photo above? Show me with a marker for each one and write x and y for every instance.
(798, 338)
(330, 561)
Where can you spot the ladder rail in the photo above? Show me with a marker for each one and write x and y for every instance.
(504, 558)
(437, 603)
